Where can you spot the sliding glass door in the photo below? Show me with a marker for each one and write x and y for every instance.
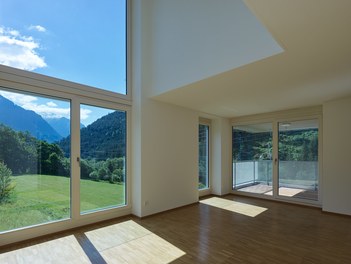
(252, 158)
(298, 159)
(35, 170)
(277, 159)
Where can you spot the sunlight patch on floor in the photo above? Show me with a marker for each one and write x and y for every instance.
(126, 242)
(233, 206)
(289, 192)
(129, 242)
(62, 250)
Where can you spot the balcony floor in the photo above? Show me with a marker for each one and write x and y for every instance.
(283, 191)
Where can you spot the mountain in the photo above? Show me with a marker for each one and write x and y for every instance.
(21, 119)
(102, 139)
(61, 125)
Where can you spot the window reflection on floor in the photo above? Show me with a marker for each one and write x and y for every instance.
(132, 243)
(125, 242)
(62, 250)
(233, 206)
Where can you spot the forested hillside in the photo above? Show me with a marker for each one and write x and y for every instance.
(105, 138)
(24, 154)
(294, 145)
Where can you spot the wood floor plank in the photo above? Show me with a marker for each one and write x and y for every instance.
(203, 233)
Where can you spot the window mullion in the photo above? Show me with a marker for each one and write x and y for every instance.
(75, 158)
(275, 159)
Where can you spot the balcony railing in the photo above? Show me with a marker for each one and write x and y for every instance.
(293, 174)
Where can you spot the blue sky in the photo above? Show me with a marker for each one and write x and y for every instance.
(80, 41)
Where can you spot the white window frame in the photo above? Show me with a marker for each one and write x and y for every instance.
(17, 80)
(286, 116)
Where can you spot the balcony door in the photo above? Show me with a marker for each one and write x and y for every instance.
(298, 159)
(252, 158)
(278, 159)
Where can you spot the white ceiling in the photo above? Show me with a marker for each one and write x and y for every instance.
(315, 66)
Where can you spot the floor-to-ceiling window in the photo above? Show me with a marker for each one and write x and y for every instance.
(35, 174)
(252, 158)
(204, 146)
(63, 142)
(278, 159)
(103, 160)
(298, 159)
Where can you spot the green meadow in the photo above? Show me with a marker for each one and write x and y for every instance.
(39, 199)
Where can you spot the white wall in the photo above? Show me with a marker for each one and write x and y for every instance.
(337, 156)
(197, 39)
(169, 157)
(221, 156)
(164, 136)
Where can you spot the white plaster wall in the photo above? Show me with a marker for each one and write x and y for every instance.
(221, 156)
(197, 39)
(164, 136)
(169, 157)
(337, 156)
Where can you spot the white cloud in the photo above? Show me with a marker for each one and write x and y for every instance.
(84, 113)
(19, 99)
(29, 102)
(14, 33)
(48, 111)
(37, 28)
(19, 51)
(51, 104)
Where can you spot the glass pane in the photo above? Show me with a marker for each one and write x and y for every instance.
(34, 169)
(252, 158)
(103, 158)
(203, 156)
(298, 159)
(79, 41)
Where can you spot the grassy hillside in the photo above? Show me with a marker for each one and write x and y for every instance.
(42, 198)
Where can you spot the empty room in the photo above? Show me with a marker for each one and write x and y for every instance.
(175, 131)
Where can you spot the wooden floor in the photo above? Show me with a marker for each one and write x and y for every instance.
(233, 229)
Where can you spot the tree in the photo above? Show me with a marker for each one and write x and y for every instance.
(85, 169)
(17, 150)
(6, 184)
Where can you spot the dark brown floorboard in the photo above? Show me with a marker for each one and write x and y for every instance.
(284, 233)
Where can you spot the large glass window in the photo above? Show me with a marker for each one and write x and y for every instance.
(252, 158)
(79, 41)
(298, 159)
(204, 131)
(103, 158)
(293, 145)
(35, 172)
(54, 164)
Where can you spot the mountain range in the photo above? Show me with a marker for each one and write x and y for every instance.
(21, 119)
(61, 125)
(104, 138)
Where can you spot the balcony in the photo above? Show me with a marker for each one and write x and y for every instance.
(297, 179)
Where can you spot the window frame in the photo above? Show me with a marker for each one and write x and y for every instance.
(76, 219)
(206, 191)
(16, 80)
(10, 75)
(275, 118)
